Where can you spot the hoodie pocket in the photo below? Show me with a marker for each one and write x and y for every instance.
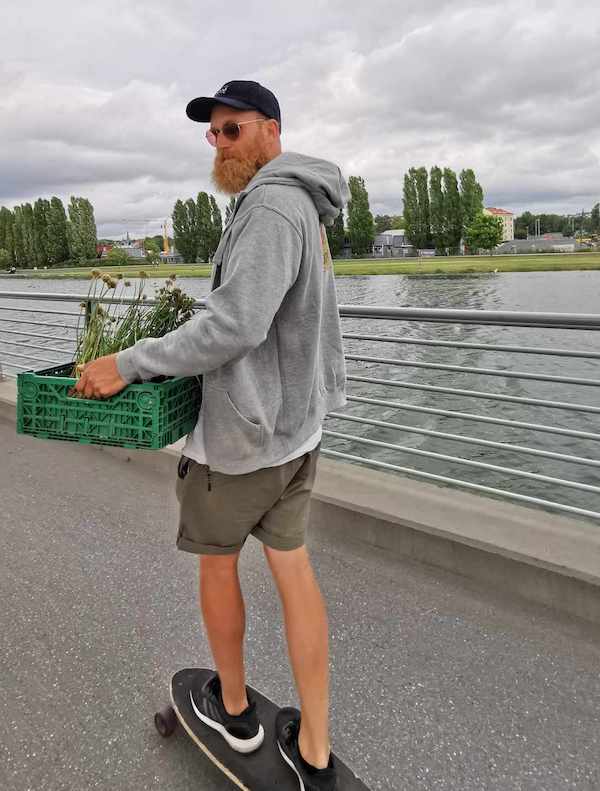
(227, 432)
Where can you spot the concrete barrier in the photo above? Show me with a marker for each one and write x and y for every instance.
(547, 558)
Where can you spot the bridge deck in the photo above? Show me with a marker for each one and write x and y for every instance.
(437, 683)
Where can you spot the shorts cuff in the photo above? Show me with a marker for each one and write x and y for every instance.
(206, 549)
(277, 542)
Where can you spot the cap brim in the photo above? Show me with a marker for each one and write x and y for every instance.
(201, 108)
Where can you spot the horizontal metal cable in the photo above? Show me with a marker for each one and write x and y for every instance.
(40, 323)
(478, 394)
(465, 369)
(16, 365)
(30, 357)
(466, 484)
(494, 347)
(467, 462)
(565, 321)
(567, 432)
(468, 440)
(44, 311)
(34, 335)
(580, 321)
(35, 346)
(53, 297)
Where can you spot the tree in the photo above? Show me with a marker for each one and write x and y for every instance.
(81, 230)
(471, 197)
(117, 256)
(185, 237)
(216, 223)
(41, 218)
(360, 220)
(484, 233)
(336, 235)
(152, 251)
(6, 233)
(204, 226)
(229, 209)
(423, 208)
(437, 213)
(58, 246)
(5, 258)
(410, 208)
(595, 219)
(452, 212)
(28, 235)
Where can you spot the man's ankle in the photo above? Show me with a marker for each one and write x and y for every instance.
(235, 707)
(315, 756)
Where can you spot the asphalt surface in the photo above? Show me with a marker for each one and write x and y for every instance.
(437, 683)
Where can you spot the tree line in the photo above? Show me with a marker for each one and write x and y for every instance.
(42, 235)
(197, 227)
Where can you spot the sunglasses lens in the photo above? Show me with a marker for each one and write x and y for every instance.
(211, 137)
(231, 131)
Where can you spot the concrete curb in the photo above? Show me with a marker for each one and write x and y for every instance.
(547, 558)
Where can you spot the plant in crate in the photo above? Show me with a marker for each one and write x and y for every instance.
(147, 415)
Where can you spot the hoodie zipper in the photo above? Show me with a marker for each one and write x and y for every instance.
(208, 476)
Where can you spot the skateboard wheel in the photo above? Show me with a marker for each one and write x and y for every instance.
(165, 721)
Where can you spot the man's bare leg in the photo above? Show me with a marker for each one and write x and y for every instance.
(307, 638)
(224, 616)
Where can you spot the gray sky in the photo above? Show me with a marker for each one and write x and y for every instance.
(93, 96)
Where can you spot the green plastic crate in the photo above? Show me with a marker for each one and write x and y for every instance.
(148, 415)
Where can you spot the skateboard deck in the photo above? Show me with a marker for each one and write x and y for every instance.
(262, 770)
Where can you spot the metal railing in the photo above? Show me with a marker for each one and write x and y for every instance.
(565, 440)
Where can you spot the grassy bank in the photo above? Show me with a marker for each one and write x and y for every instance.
(367, 266)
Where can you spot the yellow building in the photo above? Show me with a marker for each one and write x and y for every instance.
(508, 222)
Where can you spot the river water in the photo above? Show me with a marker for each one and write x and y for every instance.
(563, 292)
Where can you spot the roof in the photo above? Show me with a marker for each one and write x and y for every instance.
(493, 210)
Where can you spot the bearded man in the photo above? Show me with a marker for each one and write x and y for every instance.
(269, 349)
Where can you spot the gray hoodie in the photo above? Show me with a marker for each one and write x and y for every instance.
(269, 343)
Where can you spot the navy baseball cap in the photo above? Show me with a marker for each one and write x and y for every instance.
(241, 94)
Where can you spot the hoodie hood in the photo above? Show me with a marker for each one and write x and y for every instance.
(321, 179)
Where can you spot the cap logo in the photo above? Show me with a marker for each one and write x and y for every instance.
(222, 90)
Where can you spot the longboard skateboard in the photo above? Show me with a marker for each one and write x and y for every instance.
(262, 770)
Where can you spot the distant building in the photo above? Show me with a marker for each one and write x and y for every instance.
(392, 244)
(508, 222)
(172, 257)
(556, 243)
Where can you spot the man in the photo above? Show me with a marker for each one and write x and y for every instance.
(270, 351)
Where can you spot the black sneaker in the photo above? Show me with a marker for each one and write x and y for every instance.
(287, 727)
(243, 733)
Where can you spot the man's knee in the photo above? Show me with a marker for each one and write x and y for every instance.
(219, 564)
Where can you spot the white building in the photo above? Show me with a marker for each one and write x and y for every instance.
(392, 244)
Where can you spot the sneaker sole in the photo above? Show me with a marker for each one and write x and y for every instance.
(239, 745)
(290, 763)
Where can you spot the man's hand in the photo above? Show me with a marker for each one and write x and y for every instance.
(100, 378)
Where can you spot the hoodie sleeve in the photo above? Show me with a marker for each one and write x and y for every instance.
(262, 265)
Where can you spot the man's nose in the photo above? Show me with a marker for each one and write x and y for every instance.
(222, 141)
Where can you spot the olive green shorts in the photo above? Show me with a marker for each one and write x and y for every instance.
(218, 512)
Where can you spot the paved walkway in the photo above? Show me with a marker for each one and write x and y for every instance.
(436, 683)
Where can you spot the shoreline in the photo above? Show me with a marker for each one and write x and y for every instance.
(401, 266)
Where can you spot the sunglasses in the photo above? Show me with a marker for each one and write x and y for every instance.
(231, 130)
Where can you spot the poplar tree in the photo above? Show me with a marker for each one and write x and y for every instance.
(204, 226)
(471, 197)
(41, 216)
(58, 247)
(216, 222)
(18, 237)
(423, 210)
(452, 211)
(81, 230)
(410, 208)
(360, 220)
(28, 235)
(185, 237)
(436, 203)
(6, 234)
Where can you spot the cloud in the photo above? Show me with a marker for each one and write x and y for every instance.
(93, 97)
